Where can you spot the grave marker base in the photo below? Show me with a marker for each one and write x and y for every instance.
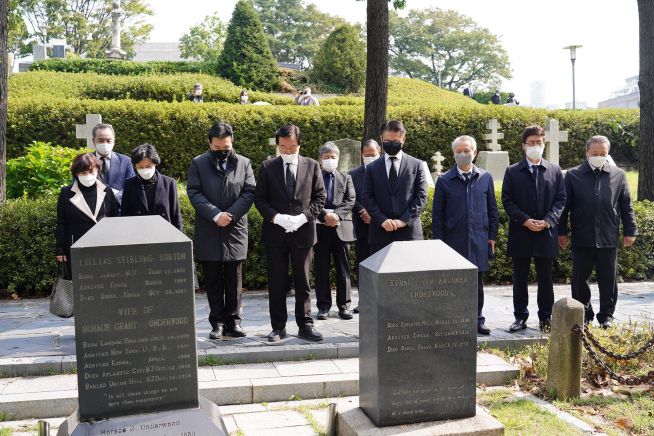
(495, 162)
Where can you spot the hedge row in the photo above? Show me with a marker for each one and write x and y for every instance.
(179, 129)
(123, 68)
(27, 265)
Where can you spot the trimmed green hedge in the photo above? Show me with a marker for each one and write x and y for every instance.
(123, 68)
(27, 264)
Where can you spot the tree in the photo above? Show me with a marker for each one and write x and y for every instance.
(295, 31)
(205, 40)
(4, 75)
(446, 48)
(86, 24)
(646, 85)
(18, 36)
(341, 62)
(246, 59)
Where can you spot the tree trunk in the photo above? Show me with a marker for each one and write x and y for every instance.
(4, 74)
(377, 69)
(646, 85)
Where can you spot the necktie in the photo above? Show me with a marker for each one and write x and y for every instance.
(290, 181)
(466, 177)
(392, 173)
(221, 165)
(329, 187)
(104, 172)
(534, 170)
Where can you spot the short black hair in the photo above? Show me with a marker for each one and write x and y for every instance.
(84, 162)
(221, 129)
(534, 130)
(288, 130)
(393, 126)
(370, 143)
(145, 151)
(102, 126)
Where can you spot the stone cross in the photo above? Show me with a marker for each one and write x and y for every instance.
(494, 127)
(116, 52)
(85, 131)
(554, 136)
(438, 159)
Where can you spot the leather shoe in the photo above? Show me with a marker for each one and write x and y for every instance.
(483, 330)
(356, 309)
(310, 333)
(217, 333)
(323, 314)
(236, 332)
(545, 326)
(276, 335)
(345, 314)
(518, 324)
(608, 323)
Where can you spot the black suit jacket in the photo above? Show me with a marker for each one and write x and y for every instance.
(343, 201)
(358, 175)
(521, 202)
(166, 200)
(271, 198)
(405, 202)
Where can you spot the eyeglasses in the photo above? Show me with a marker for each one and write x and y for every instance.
(534, 144)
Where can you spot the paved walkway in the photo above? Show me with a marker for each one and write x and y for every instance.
(28, 330)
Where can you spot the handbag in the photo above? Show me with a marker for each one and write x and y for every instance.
(61, 298)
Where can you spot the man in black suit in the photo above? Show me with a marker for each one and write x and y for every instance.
(598, 199)
(221, 189)
(335, 231)
(290, 194)
(396, 192)
(370, 151)
(533, 195)
(116, 168)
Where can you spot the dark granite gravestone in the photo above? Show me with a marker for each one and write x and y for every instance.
(135, 331)
(417, 334)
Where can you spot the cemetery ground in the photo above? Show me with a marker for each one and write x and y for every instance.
(287, 388)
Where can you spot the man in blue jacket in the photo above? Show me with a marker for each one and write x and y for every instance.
(116, 168)
(464, 214)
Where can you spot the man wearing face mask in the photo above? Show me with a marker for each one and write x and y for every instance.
(150, 192)
(221, 189)
(370, 151)
(335, 231)
(395, 191)
(115, 168)
(598, 200)
(290, 195)
(464, 214)
(533, 195)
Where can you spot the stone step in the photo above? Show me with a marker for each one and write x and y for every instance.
(53, 396)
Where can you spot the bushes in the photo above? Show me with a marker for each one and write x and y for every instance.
(123, 68)
(27, 264)
(340, 64)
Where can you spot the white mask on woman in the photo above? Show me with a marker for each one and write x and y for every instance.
(88, 180)
(146, 173)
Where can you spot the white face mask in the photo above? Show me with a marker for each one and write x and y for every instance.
(289, 158)
(597, 161)
(104, 149)
(367, 160)
(88, 180)
(329, 165)
(146, 173)
(535, 152)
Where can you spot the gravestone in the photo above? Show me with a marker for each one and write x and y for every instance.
(85, 131)
(116, 52)
(39, 52)
(566, 350)
(58, 48)
(437, 165)
(350, 154)
(135, 332)
(418, 334)
(494, 161)
(554, 137)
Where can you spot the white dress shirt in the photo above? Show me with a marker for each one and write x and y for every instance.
(397, 162)
(293, 167)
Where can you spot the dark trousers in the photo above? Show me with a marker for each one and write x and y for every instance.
(330, 247)
(480, 297)
(223, 283)
(545, 295)
(278, 259)
(605, 261)
(375, 248)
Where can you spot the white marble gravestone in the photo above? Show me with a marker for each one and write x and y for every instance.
(85, 131)
(554, 137)
(494, 161)
(350, 154)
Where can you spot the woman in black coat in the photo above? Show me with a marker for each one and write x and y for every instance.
(81, 205)
(150, 192)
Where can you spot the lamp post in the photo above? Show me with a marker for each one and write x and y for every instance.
(440, 65)
(573, 58)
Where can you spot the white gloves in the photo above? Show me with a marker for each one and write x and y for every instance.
(290, 223)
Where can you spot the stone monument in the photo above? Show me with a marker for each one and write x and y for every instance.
(554, 137)
(350, 154)
(116, 52)
(566, 350)
(418, 342)
(85, 131)
(135, 332)
(494, 161)
(437, 165)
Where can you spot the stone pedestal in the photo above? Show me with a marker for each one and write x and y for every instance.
(495, 162)
(564, 361)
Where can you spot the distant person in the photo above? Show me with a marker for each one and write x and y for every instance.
(221, 189)
(598, 200)
(511, 100)
(150, 192)
(244, 97)
(115, 168)
(496, 99)
(468, 92)
(81, 205)
(335, 232)
(196, 93)
(306, 99)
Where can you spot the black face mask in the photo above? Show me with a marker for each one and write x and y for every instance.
(392, 148)
(221, 154)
